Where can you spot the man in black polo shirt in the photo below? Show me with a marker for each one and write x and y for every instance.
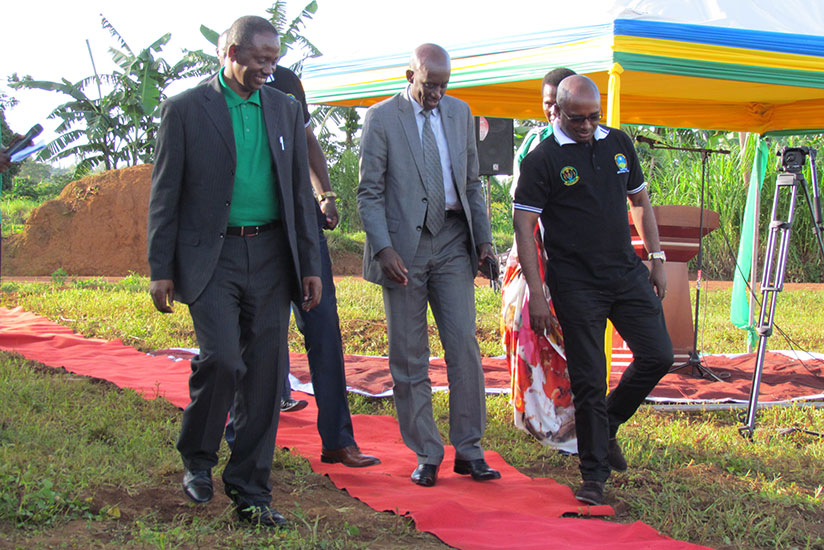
(578, 183)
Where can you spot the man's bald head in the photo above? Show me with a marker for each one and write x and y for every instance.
(577, 88)
(431, 56)
(579, 104)
(428, 75)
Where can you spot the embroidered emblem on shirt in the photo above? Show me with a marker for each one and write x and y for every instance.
(621, 163)
(569, 175)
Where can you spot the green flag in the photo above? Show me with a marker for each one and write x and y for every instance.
(739, 304)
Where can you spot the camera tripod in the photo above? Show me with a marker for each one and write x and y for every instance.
(775, 256)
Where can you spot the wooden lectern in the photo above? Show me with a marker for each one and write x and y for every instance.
(678, 229)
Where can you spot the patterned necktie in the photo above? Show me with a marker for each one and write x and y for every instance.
(433, 180)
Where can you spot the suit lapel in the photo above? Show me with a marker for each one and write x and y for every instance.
(215, 106)
(451, 131)
(272, 121)
(280, 141)
(406, 114)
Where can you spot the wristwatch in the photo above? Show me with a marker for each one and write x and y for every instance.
(326, 195)
(660, 255)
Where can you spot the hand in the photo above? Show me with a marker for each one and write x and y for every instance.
(485, 251)
(312, 290)
(658, 278)
(5, 159)
(330, 210)
(163, 294)
(5, 162)
(392, 265)
(541, 320)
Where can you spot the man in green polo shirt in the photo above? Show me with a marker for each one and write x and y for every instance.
(232, 234)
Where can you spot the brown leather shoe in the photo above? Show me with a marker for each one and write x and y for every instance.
(348, 456)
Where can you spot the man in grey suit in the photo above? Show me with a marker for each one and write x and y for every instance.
(423, 210)
(232, 234)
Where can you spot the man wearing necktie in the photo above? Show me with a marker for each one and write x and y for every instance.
(422, 207)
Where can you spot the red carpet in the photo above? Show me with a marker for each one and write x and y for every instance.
(785, 377)
(516, 512)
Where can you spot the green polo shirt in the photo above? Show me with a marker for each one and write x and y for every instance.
(255, 196)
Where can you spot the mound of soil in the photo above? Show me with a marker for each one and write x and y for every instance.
(97, 227)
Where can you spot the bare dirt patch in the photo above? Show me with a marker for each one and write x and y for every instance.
(96, 226)
(163, 507)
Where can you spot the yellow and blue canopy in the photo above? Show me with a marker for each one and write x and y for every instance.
(649, 72)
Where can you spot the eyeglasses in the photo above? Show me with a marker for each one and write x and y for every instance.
(594, 118)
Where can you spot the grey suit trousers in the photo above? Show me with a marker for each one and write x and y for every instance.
(241, 321)
(441, 274)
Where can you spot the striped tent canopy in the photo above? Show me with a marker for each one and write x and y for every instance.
(650, 72)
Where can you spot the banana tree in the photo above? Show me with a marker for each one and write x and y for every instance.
(119, 127)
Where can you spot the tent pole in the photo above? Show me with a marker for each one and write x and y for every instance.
(754, 266)
(614, 96)
(613, 121)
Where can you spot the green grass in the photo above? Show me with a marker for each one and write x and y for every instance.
(84, 464)
(14, 213)
(691, 475)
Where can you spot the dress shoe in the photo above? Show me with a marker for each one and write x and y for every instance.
(348, 456)
(478, 469)
(616, 458)
(425, 475)
(197, 485)
(591, 492)
(292, 405)
(261, 515)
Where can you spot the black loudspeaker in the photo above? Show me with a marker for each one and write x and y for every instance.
(496, 145)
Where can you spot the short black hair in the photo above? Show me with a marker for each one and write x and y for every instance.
(245, 28)
(555, 76)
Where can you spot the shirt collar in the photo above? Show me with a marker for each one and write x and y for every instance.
(564, 139)
(417, 106)
(232, 98)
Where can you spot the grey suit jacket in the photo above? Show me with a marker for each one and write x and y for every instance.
(193, 179)
(391, 194)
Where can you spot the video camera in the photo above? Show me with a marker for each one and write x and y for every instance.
(792, 158)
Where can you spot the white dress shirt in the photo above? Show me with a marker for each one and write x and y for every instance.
(450, 193)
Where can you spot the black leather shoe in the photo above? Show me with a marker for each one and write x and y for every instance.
(425, 475)
(478, 469)
(616, 458)
(197, 485)
(292, 405)
(264, 516)
(591, 492)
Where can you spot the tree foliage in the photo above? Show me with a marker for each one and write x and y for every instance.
(6, 133)
(119, 127)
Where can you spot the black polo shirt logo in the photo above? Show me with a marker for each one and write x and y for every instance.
(569, 175)
(621, 163)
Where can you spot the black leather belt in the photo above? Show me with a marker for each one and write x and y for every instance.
(454, 213)
(251, 230)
